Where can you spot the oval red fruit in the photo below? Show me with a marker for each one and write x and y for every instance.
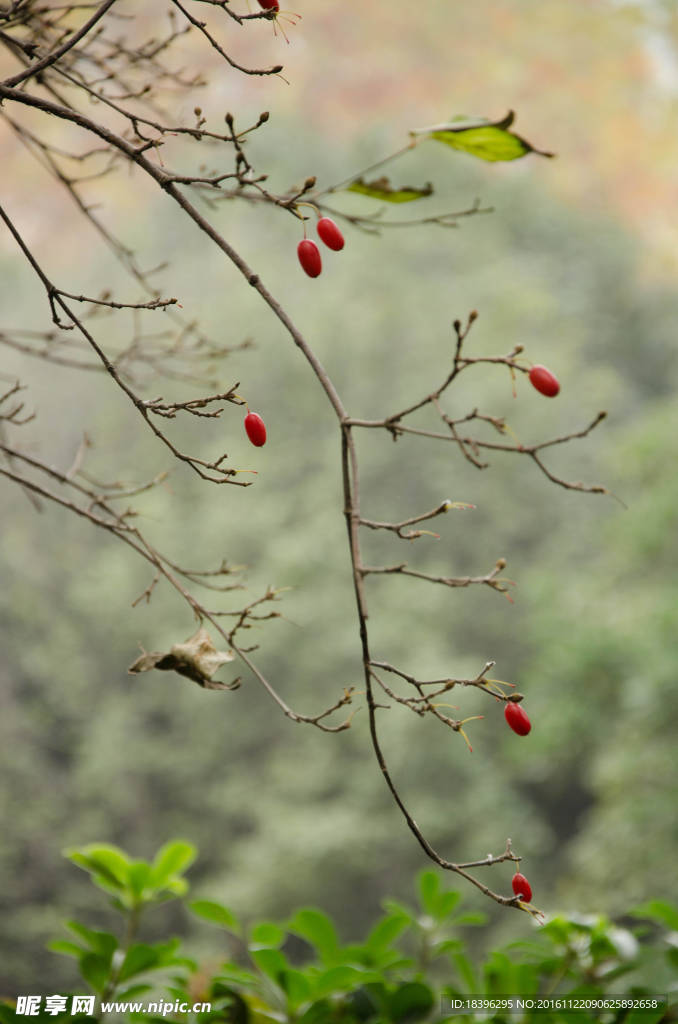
(269, 5)
(309, 257)
(544, 381)
(521, 887)
(517, 719)
(330, 234)
(256, 429)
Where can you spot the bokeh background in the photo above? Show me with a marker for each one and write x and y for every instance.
(578, 263)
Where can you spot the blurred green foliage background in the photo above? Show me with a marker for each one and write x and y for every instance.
(576, 263)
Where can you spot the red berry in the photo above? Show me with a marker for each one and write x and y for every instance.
(521, 887)
(516, 718)
(309, 257)
(544, 381)
(256, 429)
(269, 5)
(330, 234)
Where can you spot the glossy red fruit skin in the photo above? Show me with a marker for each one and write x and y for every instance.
(544, 381)
(521, 887)
(309, 257)
(330, 234)
(269, 5)
(517, 718)
(256, 429)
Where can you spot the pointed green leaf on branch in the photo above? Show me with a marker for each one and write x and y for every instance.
(382, 189)
(266, 936)
(171, 860)
(657, 910)
(317, 928)
(487, 140)
(216, 913)
(108, 866)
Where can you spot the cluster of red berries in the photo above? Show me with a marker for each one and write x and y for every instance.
(309, 253)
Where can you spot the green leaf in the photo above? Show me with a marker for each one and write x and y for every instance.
(99, 942)
(465, 968)
(563, 931)
(171, 859)
(138, 958)
(231, 974)
(369, 1000)
(95, 970)
(344, 978)
(412, 1001)
(657, 910)
(471, 918)
(386, 931)
(428, 885)
(65, 947)
(487, 140)
(645, 1016)
(296, 986)
(394, 907)
(176, 887)
(139, 878)
(447, 902)
(382, 189)
(216, 914)
(271, 962)
(321, 1011)
(316, 928)
(447, 946)
(267, 935)
(228, 1006)
(672, 957)
(436, 902)
(108, 865)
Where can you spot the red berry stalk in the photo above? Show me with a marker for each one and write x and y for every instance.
(544, 381)
(521, 887)
(516, 718)
(273, 7)
(255, 429)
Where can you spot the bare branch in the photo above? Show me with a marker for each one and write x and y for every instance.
(200, 25)
(51, 58)
(397, 528)
(491, 579)
(214, 470)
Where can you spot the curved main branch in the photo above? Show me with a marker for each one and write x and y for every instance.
(135, 151)
(352, 513)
